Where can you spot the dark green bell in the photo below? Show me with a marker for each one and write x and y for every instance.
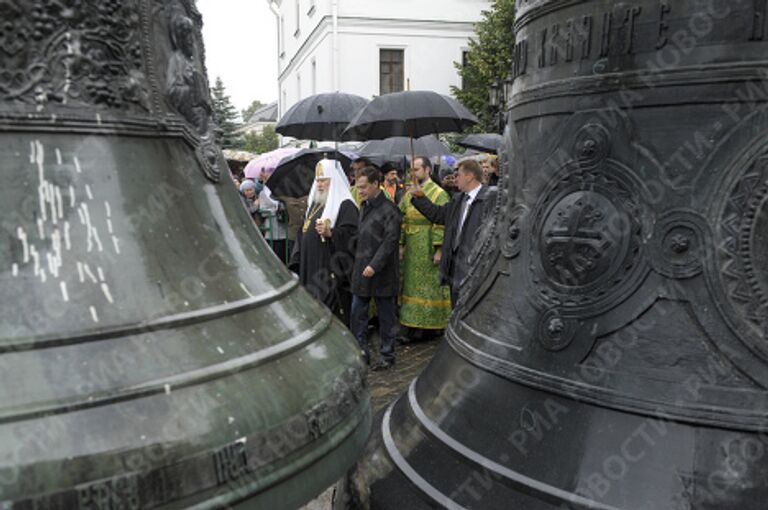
(153, 352)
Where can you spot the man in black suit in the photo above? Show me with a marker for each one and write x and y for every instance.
(376, 272)
(462, 216)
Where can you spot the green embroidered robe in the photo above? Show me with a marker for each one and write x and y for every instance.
(424, 303)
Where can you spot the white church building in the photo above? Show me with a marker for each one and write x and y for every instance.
(371, 47)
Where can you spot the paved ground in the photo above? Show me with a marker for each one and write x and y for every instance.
(411, 359)
(386, 386)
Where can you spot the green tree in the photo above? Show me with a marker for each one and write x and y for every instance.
(248, 112)
(489, 59)
(265, 142)
(225, 116)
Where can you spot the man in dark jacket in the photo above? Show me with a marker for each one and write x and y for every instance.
(376, 273)
(462, 216)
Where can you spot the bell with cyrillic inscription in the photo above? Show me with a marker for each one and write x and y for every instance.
(610, 345)
(153, 352)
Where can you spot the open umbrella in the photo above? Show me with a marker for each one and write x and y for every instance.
(294, 176)
(483, 142)
(321, 117)
(267, 162)
(398, 147)
(412, 113)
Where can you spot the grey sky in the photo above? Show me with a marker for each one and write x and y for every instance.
(241, 47)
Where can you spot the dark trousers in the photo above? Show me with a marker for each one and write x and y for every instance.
(282, 249)
(345, 306)
(455, 282)
(388, 324)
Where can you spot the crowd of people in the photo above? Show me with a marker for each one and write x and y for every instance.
(377, 246)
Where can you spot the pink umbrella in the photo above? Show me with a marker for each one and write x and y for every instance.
(267, 162)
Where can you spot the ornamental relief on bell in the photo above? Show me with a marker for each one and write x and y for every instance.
(186, 86)
(183, 80)
(588, 253)
(741, 265)
(73, 53)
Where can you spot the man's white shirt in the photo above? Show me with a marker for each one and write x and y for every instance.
(472, 196)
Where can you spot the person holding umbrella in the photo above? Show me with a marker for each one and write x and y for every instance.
(324, 250)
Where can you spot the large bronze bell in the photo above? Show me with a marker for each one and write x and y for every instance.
(153, 352)
(610, 349)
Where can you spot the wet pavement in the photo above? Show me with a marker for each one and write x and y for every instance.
(388, 385)
(411, 359)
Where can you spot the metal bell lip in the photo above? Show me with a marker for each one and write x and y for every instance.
(153, 352)
(608, 349)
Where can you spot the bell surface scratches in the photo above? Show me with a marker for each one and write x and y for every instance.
(153, 352)
(610, 349)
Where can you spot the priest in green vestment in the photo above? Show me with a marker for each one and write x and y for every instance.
(424, 303)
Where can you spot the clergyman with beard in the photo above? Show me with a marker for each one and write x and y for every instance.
(324, 253)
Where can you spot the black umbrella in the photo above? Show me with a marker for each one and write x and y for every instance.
(412, 113)
(321, 117)
(483, 142)
(294, 176)
(399, 147)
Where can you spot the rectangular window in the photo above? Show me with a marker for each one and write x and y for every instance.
(391, 71)
(281, 37)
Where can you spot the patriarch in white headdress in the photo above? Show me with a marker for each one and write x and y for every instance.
(324, 251)
(329, 191)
